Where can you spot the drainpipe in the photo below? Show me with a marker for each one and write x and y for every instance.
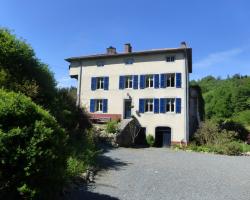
(78, 101)
(187, 97)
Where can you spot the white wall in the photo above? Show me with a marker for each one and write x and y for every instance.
(149, 64)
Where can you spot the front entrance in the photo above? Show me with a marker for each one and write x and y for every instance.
(127, 108)
(162, 136)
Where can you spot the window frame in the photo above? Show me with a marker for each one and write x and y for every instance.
(171, 102)
(149, 105)
(100, 63)
(100, 83)
(149, 78)
(170, 58)
(129, 61)
(98, 105)
(169, 78)
(128, 82)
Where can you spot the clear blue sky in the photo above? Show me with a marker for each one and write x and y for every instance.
(217, 30)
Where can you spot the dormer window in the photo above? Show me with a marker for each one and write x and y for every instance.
(100, 63)
(170, 58)
(129, 61)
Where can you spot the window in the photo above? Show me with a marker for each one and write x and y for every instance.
(98, 105)
(100, 83)
(128, 81)
(149, 81)
(170, 80)
(129, 61)
(170, 105)
(149, 105)
(170, 58)
(100, 63)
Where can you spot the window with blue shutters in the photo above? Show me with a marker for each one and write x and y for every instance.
(156, 105)
(141, 105)
(170, 105)
(178, 105)
(162, 105)
(163, 80)
(170, 79)
(178, 80)
(105, 105)
(106, 83)
(142, 81)
(121, 82)
(99, 105)
(135, 81)
(156, 80)
(93, 83)
(92, 105)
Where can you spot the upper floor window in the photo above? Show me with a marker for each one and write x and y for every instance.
(149, 80)
(149, 104)
(170, 80)
(128, 81)
(170, 105)
(100, 83)
(129, 61)
(98, 105)
(100, 63)
(170, 58)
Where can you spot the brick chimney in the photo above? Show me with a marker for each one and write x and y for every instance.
(111, 50)
(127, 48)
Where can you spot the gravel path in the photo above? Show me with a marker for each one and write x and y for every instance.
(160, 173)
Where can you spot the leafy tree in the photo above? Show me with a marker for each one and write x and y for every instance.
(21, 71)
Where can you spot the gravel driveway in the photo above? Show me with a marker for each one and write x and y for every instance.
(161, 173)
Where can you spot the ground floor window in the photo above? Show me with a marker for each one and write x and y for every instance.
(98, 105)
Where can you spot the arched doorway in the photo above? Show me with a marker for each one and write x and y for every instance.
(162, 136)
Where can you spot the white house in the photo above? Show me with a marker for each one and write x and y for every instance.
(151, 85)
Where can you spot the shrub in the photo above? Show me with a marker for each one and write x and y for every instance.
(111, 127)
(231, 148)
(32, 149)
(82, 153)
(207, 133)
(150, 140)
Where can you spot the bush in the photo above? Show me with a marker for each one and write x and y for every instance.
(82, 153)
(150, 140)
(111, 127)
(32, 149)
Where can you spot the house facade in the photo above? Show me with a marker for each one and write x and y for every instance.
(149, 85)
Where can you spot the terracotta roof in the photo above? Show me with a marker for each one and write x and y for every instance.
(135, 53)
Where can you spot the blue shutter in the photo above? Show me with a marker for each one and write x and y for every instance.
(141, 105)
(92, 105)
(142, 81)
(105, 105)
(156, 105)
(121, 82)
(135, 81)
(178, 80)
(106, 83)
(162, 105)
(178, 105)
(163, 80)
(156, 80)
(93, 83)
